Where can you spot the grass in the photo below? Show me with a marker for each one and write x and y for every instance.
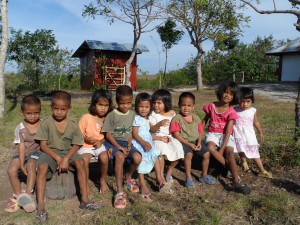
(268, 203)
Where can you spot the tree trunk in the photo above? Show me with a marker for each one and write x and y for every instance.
(3, 51)
(297, 115)
(165, 70)
(199, 70)
(128, 64)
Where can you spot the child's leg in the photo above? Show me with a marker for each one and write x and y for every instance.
(82, 178)
(87, 158)
(171, 167)
(205, 164)
(41, 186)
(243, 157)
(143, 185)
(259, 164)
(212, 149)
(31, 174)
(188, 164)
(162, 165)
(229, 155)
(159, 172)
(12, 173)
(103, 159)
(136, 160)
(119, 163)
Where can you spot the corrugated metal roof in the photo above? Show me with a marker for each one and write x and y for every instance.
(292, 46)
(107, 46)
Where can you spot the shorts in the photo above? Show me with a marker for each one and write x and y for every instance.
(112, 150)
(217, 138)
(33, 155)
(45, 158)
(200, 153)
(95, 152)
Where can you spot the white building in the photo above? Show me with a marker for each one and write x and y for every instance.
(289, 61)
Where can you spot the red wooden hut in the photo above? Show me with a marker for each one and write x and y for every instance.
(103, 64)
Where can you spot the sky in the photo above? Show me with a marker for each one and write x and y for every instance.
(64, 18)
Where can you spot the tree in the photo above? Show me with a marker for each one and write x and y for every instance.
(30, 51)
(169, 36)
(137, 13)
(294, 9)
(3, 51)
(215, 20)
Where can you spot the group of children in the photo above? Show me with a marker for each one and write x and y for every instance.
(144, 138)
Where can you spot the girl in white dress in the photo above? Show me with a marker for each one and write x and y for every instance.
(170, 148)
(244, 133)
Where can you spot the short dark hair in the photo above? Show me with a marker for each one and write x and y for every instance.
(100, 94)
(186, 95)
(123, 90)
(30, 100)
(232, 86)
(247, 92)
(61, 95)
(143, 96)
(165, 96)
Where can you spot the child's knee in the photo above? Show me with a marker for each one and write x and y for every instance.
(119, 157)
(136, 158)
(42, 168)
(103, 158)
(228, 152)
(79, 163)
(206, 155)
(188, 156)
(31, 166)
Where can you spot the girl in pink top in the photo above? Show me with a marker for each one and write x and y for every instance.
(90, 125)
(220, 117)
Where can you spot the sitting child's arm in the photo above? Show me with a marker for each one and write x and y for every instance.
(178, 136)
(113, 141)
(21, 147)
(226, 135)
(257, 126)
(165, 139)
(135, 133)
(205, 120)
(48, 151)
(155, 128)
(64, 163)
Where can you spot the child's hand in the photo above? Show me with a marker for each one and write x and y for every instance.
(164, 122)
(23, 169)
(64, 165)
(198, 147)
(262, 138)
(165, 139)
(97, 144)
(125, 151)
(58, 159)
(147, 145)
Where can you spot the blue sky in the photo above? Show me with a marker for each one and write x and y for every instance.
(71, 29)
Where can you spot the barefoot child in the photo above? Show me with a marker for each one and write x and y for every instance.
(90, 125)
(118, 129)
(142, 140)
(170, 148)
(245, 138)
(28, 151)
(60, 138)
(186, 127)
(220, 117)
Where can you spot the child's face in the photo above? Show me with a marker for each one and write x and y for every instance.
(227, 96)
(31, 113)
(158, 106)
(60, 109)
(125, 103)
(186, 106)
(144, 108)
(246, 103)
(102, 107)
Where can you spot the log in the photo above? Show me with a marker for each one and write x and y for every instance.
(61, 186)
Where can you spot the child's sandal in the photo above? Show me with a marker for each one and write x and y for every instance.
(147, 197)
(42, 217)
(245, 167)
(91, 206)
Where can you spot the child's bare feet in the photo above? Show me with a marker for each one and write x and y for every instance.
(103, 186)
